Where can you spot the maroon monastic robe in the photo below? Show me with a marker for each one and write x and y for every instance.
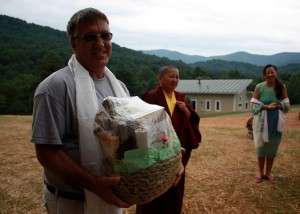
(189, 135)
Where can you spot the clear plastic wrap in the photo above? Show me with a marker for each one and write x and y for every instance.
(139, 144)
(134, 135)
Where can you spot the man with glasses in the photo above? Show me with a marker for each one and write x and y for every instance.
(65, 105)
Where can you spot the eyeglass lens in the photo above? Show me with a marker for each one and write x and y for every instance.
(91, 37)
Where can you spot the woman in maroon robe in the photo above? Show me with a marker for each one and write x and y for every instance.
(185, 121)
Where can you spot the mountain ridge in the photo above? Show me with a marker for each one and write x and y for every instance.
(278, 59)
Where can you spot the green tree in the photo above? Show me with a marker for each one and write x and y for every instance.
(293, 88)
(50, 63)
(234, 74)
(16, 95)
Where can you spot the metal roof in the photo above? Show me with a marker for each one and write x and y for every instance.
(228, 86)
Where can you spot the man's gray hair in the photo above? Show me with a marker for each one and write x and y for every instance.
(87, 15)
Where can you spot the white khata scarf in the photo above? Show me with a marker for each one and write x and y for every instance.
(87, 106)
(260, 121)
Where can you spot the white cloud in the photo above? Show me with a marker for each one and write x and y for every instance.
(202, 27)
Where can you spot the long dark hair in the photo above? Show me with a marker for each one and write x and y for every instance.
(278, 84)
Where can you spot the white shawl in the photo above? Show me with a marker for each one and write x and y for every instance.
(90, 154)
(260, 134)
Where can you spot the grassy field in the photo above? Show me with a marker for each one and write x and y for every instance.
(220, 174)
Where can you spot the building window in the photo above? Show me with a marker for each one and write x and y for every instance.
(194, 104)
(208, 105)
(240, 105)
(246, 106)
(218, 105)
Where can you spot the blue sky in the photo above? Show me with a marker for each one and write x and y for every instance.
(195, 27)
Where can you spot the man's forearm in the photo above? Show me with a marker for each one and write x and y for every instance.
(54, 159)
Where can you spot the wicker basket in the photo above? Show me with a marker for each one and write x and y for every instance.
(145, 185)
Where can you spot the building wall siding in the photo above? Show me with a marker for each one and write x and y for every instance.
(228, 102)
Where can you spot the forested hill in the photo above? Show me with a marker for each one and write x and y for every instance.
(30, 52)
(33, 49)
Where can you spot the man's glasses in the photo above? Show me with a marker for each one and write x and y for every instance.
(92, 37)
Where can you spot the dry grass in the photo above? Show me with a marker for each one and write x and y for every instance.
(220, 175)
(20, 173)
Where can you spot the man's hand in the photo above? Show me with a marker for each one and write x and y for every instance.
(105, 192)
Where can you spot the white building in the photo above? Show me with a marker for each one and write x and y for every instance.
(214, 96)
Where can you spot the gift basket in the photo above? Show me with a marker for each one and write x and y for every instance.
(139, 144)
